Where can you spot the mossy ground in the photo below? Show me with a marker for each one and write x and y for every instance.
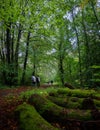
(29, 119)
(68, 104)
(73, 98)
(58, 113)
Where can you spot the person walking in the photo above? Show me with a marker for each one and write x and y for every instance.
(38, 81)
(33, 80)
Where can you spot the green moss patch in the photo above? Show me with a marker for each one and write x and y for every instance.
(81, 93)
(29, 119)
(46, 107)
(67, 102)
(55, 112)
(59, 101)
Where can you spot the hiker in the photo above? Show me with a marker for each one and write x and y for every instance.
(33, 80)
(51, 82)
(38, 81)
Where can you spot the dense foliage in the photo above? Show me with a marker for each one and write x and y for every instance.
(59, 40)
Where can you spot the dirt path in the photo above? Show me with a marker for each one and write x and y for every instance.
(18, 90)
(13, 91)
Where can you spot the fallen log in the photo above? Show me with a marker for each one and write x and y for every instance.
(68, 102)
(29, 119)
(54, 113)
(68, 85)
(63, 102)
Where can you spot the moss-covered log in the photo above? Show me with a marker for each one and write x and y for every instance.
(80, 93)
(68, 102)
(29, 119)
(75, 102)
(58, 100)
(56, 113)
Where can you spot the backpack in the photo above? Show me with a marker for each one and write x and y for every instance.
(37, 79)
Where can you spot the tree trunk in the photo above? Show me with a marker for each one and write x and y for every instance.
(95, 14)
(87, 53)
(79, 53)
(17, 50)
(25, 60)
(60, 64)
(8, 43)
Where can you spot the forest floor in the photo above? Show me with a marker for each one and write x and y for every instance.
(8, 102)
(7, 106)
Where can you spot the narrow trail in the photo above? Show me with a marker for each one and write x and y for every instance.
(17, 90)
(14, 91)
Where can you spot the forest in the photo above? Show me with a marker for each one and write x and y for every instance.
(59, 40)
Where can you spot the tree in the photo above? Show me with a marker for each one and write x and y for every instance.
(52, 38)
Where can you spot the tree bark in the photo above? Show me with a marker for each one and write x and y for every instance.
(8, 43)
(87, 52)
(60, 64)
(25, 60)
(79, 53)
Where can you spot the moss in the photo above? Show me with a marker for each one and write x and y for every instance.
(59, 100)
(29, 119)
(68, 102)
(71, 102)
(80, 115)
(57, 113)
(53, 93)
(73, 105)
(47, 108)
(81, 93)
(64, 91)
(97, 103)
